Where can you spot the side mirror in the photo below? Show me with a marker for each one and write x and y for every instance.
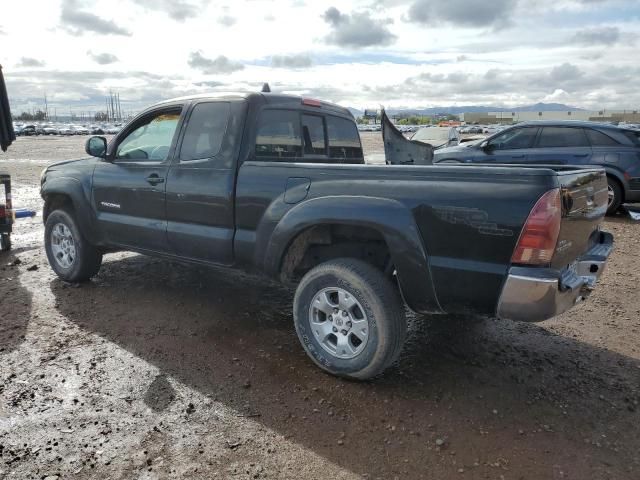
(486, 146)
(96, 147)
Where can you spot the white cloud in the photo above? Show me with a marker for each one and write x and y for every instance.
(360, 53)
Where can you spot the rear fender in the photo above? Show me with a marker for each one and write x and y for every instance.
(390, 218)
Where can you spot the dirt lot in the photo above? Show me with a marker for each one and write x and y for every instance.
(159, 370)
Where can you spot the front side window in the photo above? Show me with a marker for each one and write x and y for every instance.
(151, 141)
(313, 135)
(344, 141)
(278, 136)
(514, 138)
(562, 137)
(205, 131)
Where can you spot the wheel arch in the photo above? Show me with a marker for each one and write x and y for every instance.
(68, 192)
(383, 222)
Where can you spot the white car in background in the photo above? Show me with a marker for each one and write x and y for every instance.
(438, 137)
(80, 130)
(66, 130)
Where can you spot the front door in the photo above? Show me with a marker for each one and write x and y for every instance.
(200, 183)
(511, 146)
(129, 188)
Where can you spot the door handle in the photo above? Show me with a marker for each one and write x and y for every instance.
(581, 154)
(517, 156)
(154, 179)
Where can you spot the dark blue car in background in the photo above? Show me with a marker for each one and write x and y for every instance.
(565, 143)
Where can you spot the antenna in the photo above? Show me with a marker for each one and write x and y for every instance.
(265, 88)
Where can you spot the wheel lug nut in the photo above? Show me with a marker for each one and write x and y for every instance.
(335, 310)
(334, 329)
(345, 313)
(348, 324)
(330, 318)
(344, 332)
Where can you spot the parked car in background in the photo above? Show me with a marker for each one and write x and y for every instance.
(66, 130)
(29, 130)
(563, 143)
(80, 130)
(50, 130)
(438, 137)
(96, 130)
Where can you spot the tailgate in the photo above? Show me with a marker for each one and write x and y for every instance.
(584, 204)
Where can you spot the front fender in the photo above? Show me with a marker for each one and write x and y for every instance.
(390, 218)
(73, 189)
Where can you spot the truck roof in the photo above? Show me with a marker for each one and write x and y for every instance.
(279, 99)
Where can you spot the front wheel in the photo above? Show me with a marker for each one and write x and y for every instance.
(349, 318)
(5, 242)
(70, 255)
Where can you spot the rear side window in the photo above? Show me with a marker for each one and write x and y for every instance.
(313, 135)
(599, 139)
(344, 141)
(278, 136)
(205, 131)
(633, 136)
(562, 137)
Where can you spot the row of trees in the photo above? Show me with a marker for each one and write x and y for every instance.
(40, 116)
(412, 119)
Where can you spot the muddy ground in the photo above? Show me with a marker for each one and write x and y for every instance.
(163, 370)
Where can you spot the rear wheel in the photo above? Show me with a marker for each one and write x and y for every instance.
(349, 318)
(70, 255)
(614, 189)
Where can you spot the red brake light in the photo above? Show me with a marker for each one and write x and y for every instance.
(311, 102)
(539, 235)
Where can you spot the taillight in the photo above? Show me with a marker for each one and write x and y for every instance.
(539, 236)
(3, 212)
(311, 102)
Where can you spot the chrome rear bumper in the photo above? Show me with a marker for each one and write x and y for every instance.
(534, 294)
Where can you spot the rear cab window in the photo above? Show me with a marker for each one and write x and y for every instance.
(278, 136)
(290, 135)
(344, 140)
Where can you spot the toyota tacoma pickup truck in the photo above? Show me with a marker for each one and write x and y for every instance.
(277, 184)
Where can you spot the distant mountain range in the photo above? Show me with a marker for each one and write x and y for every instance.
(538, 107)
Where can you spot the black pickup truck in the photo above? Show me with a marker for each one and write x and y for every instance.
(277, 184)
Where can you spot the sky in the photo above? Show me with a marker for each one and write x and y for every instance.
(357, 53)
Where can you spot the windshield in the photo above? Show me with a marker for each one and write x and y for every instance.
(433, 135)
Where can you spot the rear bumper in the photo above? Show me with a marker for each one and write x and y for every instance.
(536, 294)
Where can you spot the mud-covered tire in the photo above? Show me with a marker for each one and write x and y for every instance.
(5, 242)
(614, 190)
(381, 307)
(86, 259)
